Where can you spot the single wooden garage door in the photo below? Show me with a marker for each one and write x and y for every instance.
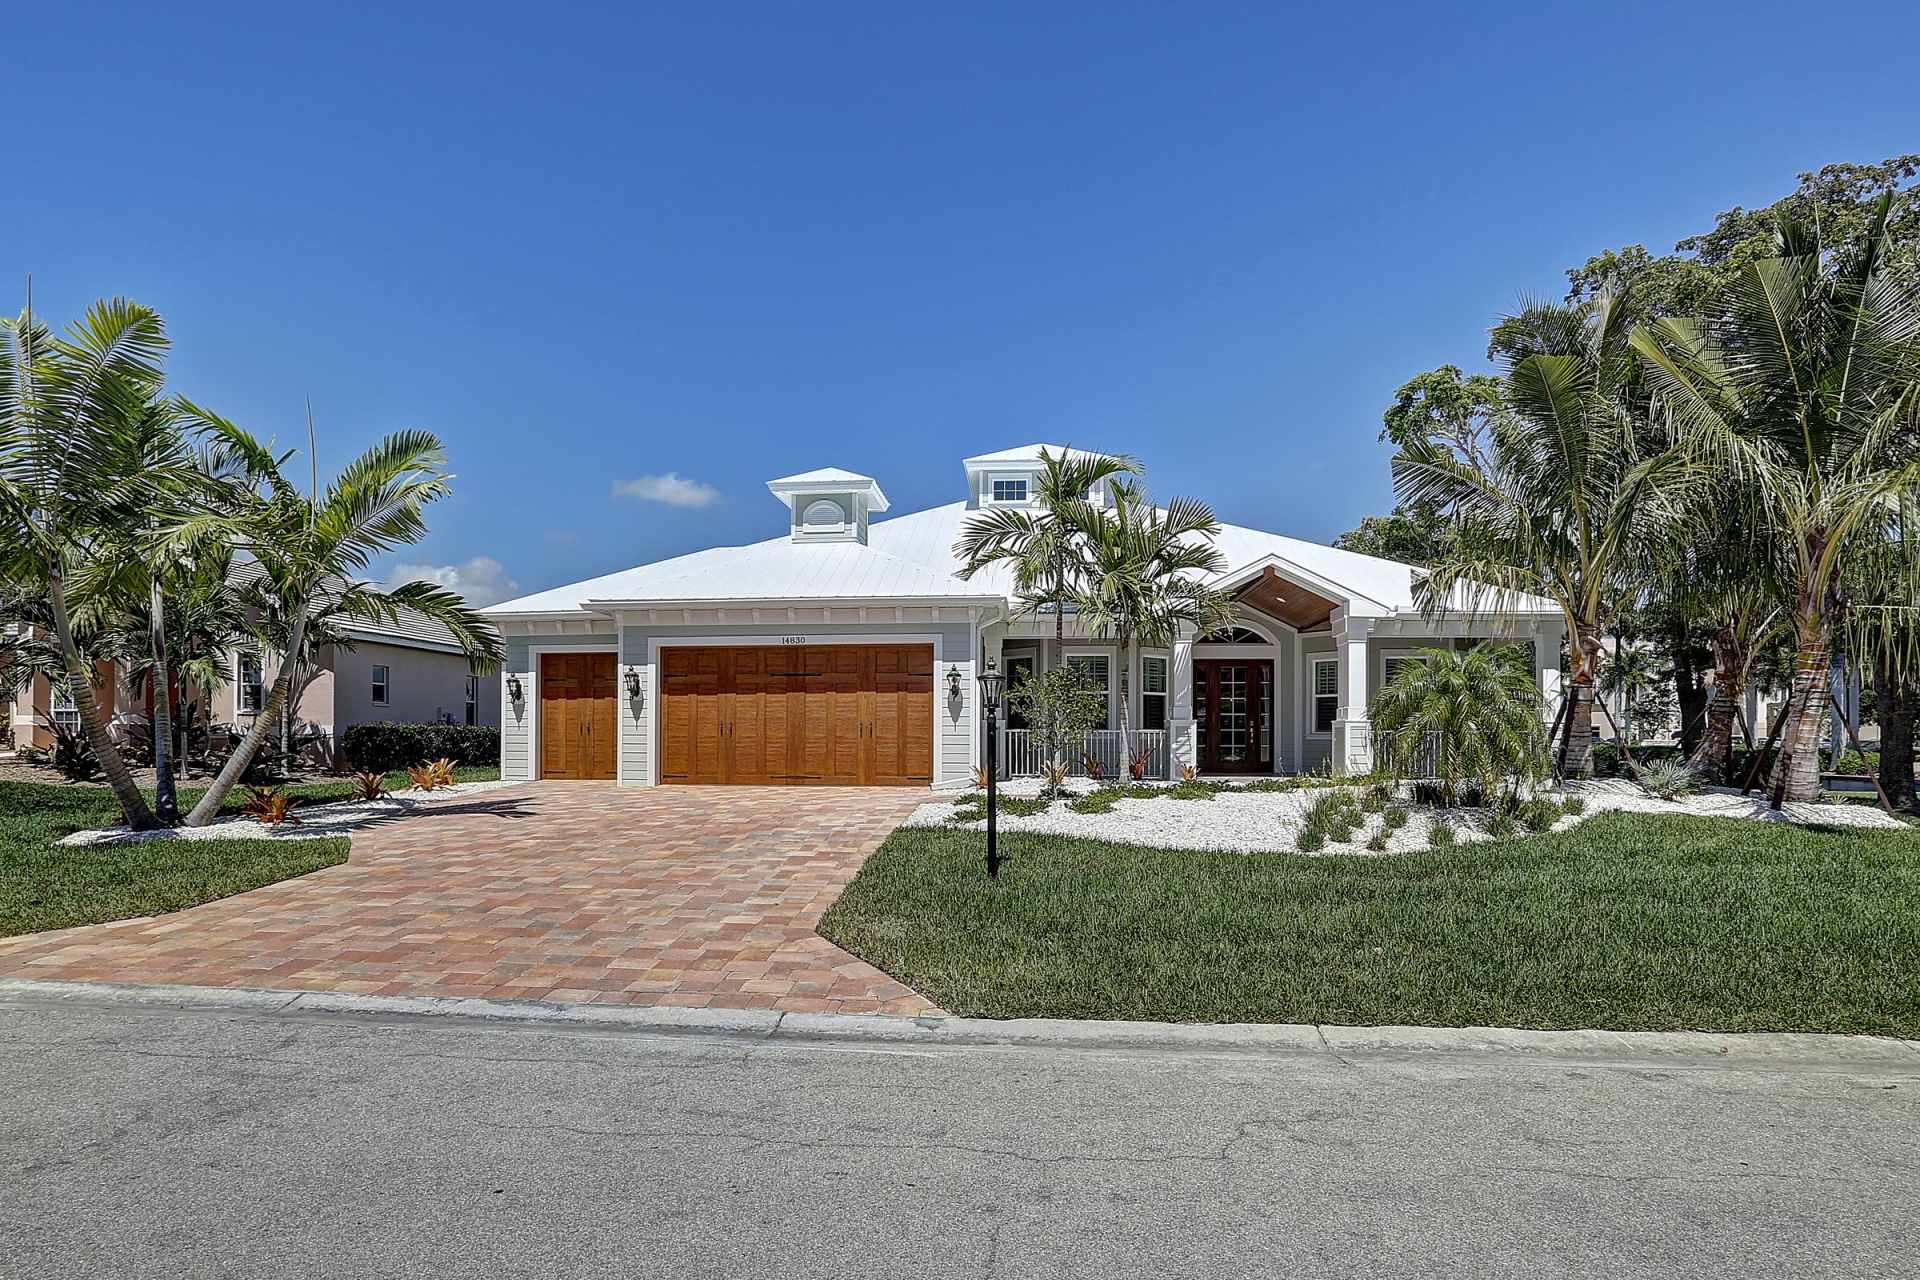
(578, 735)
(800, 715)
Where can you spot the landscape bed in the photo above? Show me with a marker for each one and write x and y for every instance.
(1629, 921)
(47, 885)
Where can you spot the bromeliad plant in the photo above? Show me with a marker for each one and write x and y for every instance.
(369, 786)
(271, 806)
(432, 775)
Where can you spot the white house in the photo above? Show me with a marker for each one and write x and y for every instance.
(844, 652)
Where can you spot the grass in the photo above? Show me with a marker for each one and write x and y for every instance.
(44, 885)
(1627, 922)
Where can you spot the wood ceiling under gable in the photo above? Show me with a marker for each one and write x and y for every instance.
(1287, 601)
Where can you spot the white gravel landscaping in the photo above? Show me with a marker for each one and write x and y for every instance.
(317, 821)
(1271, 821)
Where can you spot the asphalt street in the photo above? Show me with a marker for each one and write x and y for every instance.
(139, 1141)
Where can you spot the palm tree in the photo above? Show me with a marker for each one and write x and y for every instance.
(1806, 387)
(1633, 669)
(66, 407)
(1731, 577)
(1040, 543)
(1480, 709)
(310, 546)
(1571, 496)
(1145, 576)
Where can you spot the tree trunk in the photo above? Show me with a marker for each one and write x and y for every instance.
(1896, 703)
(166, 805)
(1796, 774)
(1716, 744)
(80, 685)
(1692, 694)
(216, 795)
(1583, 663)
(1126, 712)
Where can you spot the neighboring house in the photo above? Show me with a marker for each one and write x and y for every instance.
(846, 650)
(409, 670)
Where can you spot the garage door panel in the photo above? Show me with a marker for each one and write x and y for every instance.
(826, 715)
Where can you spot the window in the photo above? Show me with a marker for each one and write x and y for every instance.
(1019, 669)
(252, 693)
(1326, 694)
(379, 686)
(65, 712)
(1098, 670)
(1232, 635)
(473, 699)
(1390, 666)
(1010, 490)
(823, 516)
(1153, 693)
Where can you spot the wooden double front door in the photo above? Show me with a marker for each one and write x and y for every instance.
(1233, 715)
(798, 715)
(579, 732)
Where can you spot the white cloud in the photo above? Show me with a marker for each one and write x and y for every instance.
(481, 580)
(670, 488)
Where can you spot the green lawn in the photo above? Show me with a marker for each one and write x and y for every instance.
(47, 886)
(1628, 922)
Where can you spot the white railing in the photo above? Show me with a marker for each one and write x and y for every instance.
(1021, 756)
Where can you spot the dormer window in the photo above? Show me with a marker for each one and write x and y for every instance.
(1014, 490)
(829, 505)
(824, 516)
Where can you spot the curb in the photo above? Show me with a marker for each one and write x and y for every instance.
(1335, 1043)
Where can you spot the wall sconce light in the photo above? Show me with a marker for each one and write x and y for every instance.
(953, 683)
(633, 683)
(514, 691)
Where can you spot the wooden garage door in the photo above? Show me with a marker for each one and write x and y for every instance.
(578, 734)
(799, 715)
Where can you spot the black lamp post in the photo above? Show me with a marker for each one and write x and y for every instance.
(992, 684)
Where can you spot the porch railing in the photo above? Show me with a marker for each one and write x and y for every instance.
(1021, 756)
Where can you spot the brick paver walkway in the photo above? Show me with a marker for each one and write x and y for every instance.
(579, 891)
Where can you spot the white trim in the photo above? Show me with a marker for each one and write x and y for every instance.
(533, 700)
(1027, 486)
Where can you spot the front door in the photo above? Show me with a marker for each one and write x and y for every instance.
(577, 724)
(1233, 715)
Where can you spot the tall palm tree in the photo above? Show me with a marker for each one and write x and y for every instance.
(66, 405)
(310, 546)
(1040, 543)
(1571, 496)
(1807, 387)
(1732, 579)
(1146, 576)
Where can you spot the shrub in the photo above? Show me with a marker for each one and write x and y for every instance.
(1379, 842)
(1467, 719)
(1440, 836)
(1372, 801)
(1573, 806)
(369, 786)
(72, 754)
(1501, 825)
(1394, 818)
(384, 746)
(1539, 814)
(1312, 840)
(973, 807)
(271, 806)
(1669, 779)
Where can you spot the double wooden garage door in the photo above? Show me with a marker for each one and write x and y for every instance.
(802, 715)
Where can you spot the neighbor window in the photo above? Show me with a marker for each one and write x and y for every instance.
(1009, 490)
(473, 699)
(252, 694)
(1326, 694)
(1153, 693)
(1098, 670)
(66, 713)
(379, 686)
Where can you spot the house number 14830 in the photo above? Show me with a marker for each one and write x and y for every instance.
(793, 639)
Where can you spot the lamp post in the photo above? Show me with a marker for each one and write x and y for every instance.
(992, 683)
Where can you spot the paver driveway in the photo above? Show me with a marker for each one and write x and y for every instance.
(579, 891)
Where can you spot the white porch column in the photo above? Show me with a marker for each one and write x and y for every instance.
(1352, 731)
(1183, 748)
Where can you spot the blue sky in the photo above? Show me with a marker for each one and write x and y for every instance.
(727, 242)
